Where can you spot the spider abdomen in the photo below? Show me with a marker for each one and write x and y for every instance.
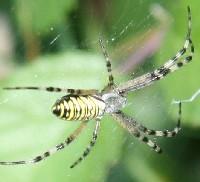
(79, 107)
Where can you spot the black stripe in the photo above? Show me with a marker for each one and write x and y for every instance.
(151, 132)
(137, 134)
(18, 162)
(34, 88)
(154, 146)
(173, 133)
(145, 139)
(154, 76)
(192, 48)
(180, 63)
(69, 140)
(86, 152)
(188, 58)
(182, 51)
(46, 154)
(50, 89)
(37, 159)
(60, 146)
(108, 64)
(71, 91)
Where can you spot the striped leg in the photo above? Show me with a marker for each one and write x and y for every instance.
(108, 64)
(51, 151)
(92, 143)
(130, 125)
(178, 60)
(182, 57)
(56, 89)
(164, 133)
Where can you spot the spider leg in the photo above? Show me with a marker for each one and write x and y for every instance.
(108, 64)
(48, 153)
(56, 89)
(127, 123)
(89, 147)
(164, 133)
(182, 57)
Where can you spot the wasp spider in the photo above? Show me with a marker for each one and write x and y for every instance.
(85, 105)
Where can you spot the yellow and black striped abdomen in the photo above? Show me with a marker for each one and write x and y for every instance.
(78, 107)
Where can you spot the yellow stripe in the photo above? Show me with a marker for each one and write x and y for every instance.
(77, 107)
(93, 105)
(66, 108)
(71, 113)
(87, 107)
(81, 108)
(61, 110)
(66, 105)
(97, 111)
(82, 105)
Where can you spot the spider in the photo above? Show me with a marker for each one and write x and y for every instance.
(85, 105)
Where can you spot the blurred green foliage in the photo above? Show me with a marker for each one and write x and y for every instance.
(55, 44)
(41, 15)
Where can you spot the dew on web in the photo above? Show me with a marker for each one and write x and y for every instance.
(55, 39)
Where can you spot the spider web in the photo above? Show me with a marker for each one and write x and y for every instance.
(122, 44)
